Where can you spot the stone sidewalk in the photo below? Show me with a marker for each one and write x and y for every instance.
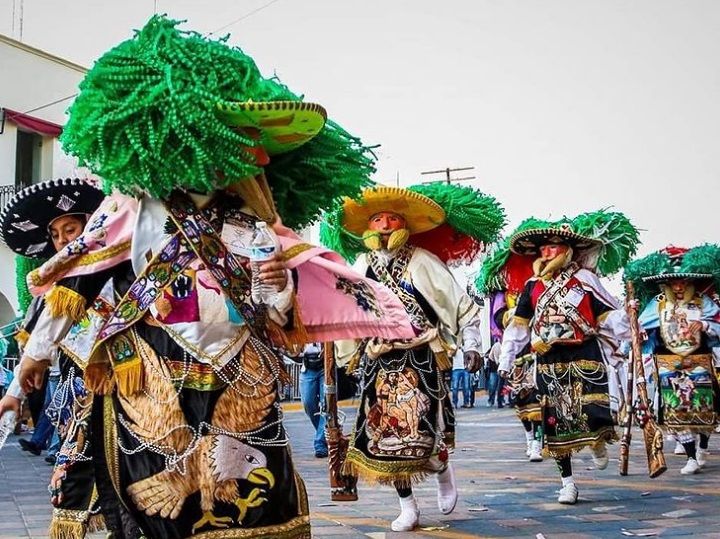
(501, 494)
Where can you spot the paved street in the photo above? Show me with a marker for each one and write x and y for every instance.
(501, 494)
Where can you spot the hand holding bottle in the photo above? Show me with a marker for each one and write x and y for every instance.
(269, 273)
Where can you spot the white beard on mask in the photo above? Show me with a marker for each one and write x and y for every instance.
(547, 268)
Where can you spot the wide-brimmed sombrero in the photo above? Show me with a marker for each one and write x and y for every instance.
(701, 263)
(451, 221)
(602, 241)
(528, 242)
(283, 125)
(25, 219)
(421, 214)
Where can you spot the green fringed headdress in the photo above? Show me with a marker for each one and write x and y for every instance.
(23, 266)
(453, 222)
(172, 109)
(490, 278)
(603, 241)
(699, 263)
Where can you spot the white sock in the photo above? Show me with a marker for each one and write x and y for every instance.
(567, 480)
(408, 517)
(529, 436)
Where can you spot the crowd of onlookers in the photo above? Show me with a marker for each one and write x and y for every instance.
(466, 383)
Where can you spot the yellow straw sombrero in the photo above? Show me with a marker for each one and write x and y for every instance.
(283, 125)
(420, 212)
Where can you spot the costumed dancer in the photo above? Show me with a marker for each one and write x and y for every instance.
(680, 316)
(157, 300)
(574, 327)
(497, 283)
(405, 421)
(37, 222)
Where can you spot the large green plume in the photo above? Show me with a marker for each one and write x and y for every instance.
(146, 121)
(467, 210)
(619, 236)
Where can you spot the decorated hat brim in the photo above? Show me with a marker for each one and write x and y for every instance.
(528, 242)
(25, 219)
(283, 125)
(421, 214)
(681, 275)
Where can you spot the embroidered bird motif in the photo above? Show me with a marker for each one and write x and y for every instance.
(218, 461)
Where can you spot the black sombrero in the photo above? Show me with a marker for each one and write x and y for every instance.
(25, 219)
(528, 242)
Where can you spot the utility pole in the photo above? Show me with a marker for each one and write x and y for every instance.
(447, 172)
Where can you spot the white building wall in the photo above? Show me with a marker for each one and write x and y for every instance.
(31, 79)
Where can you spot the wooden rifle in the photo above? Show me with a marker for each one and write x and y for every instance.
(343, 488)
(651, 432)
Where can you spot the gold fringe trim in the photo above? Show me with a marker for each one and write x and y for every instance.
(354, 362)
(66, 529)
(130, 377)
(529, 415)
(96, 523)
(606, 435)
(62, 301)
(401, 473)
(99, 379)
(21, 337)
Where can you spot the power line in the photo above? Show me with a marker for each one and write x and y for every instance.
(249, 14)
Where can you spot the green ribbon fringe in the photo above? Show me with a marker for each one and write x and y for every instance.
(146, 121)
(467, 210)
(23, 266)
(490, 277)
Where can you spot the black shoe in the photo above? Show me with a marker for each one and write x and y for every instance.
(501, 405)
(27, 445)
(51, 459)
(321, 454)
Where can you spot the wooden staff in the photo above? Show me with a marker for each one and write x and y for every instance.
(627, 420)
(343, 488)
(651, 432)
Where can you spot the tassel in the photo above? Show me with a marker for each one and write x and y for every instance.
(130, 376)
(98, 378)
(62, 301)
(443, 361)
(21, 337)
(96, 523)
(66, 529)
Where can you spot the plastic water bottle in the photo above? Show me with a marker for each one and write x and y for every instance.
(7, 425)
(262, 248)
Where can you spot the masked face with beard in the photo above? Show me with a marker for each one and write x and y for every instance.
(386, 230)
(553, 257)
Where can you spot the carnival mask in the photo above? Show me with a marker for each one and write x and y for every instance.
(386, 230)
(553, 257)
